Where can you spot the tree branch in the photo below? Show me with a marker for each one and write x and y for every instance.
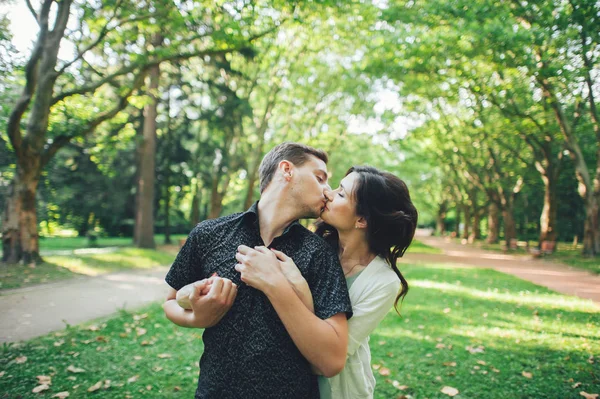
(123, 101)
(32, 11)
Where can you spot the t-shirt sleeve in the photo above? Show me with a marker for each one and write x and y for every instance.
(328, 286)
(187, 266)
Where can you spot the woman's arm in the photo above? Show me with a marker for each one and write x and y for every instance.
(298, 282)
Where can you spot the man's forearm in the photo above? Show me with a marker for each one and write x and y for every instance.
(322, 344)
(183, 317)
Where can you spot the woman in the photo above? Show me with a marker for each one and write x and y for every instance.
(371, 221)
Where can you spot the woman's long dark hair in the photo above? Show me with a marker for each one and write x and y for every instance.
(384, 201)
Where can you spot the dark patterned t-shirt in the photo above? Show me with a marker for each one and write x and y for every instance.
(249, 353)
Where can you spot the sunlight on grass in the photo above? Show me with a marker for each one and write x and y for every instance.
(521, 297)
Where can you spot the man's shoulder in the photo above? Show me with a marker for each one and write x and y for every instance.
(314, 243)
(209, 226)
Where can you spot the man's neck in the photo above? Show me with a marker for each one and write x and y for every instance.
(275, 213)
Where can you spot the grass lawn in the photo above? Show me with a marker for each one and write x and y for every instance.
(60, 267)
(418, 247)
(70, 243)
(486, 334)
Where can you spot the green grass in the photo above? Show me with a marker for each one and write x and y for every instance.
(63, 267)
(510, 325)
(418, 247)
(70, 243)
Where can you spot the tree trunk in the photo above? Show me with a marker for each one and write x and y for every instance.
(493, 224)
(467, 224)
(144, 226)
(591, 227)
(476, 228)
(510, 229)
(19, 222)
(167, 210)
(457, 227)
(440, 224)
(548, 217)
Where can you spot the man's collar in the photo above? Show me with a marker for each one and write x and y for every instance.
(252, 212)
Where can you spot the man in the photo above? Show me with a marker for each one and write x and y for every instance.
(261, 344)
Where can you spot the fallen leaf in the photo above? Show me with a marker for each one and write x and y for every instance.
(95, 387)
(44, 379)
(93, 327)
(140, 331)
(40, 388)
(376, 366)
(164, 356)
(21, 359)
(149, 387)
(156, 369)
(382, 342)
(61, 395)
(440, 346)
(576, 384)
(447, 310)
(59, 342)
(2, 373)
(450, 364)
(472, 350)
(384, 371)
(133, 379)
(396, 384)
(450, 391)
(137, 358)
(71, 378)
(106, 384)
(526, 374)
(481, 362)
(495, 370)
(588, 395)
(74, 369)
(176, 388)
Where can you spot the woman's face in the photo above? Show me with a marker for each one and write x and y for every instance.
(340, 211)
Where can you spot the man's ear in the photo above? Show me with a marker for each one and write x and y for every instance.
(287, 169)
(361, 223)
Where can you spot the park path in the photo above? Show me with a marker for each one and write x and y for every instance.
(29, 312)
(556, 276)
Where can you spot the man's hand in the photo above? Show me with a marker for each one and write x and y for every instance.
(259, 267)
(210, 308)
(184, 295)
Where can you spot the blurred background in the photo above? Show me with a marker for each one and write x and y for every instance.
(139, 119)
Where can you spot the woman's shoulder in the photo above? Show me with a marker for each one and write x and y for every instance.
(383, 274)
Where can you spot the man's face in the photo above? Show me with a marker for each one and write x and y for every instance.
(310, 183)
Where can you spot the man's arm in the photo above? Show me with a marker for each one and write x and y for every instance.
(322, 342)
(207, 309)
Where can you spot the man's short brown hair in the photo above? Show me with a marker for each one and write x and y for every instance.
(296, 153)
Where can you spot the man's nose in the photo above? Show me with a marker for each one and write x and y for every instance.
(328, 192)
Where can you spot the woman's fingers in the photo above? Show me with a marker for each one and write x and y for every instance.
(280, 255)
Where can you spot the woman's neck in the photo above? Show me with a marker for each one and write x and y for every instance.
(354, 251)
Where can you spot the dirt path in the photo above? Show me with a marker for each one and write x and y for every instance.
(33, 311)
(558, 277)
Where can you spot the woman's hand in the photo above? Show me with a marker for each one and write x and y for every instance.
(293, 275)
(259, 268)
(289, 268)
